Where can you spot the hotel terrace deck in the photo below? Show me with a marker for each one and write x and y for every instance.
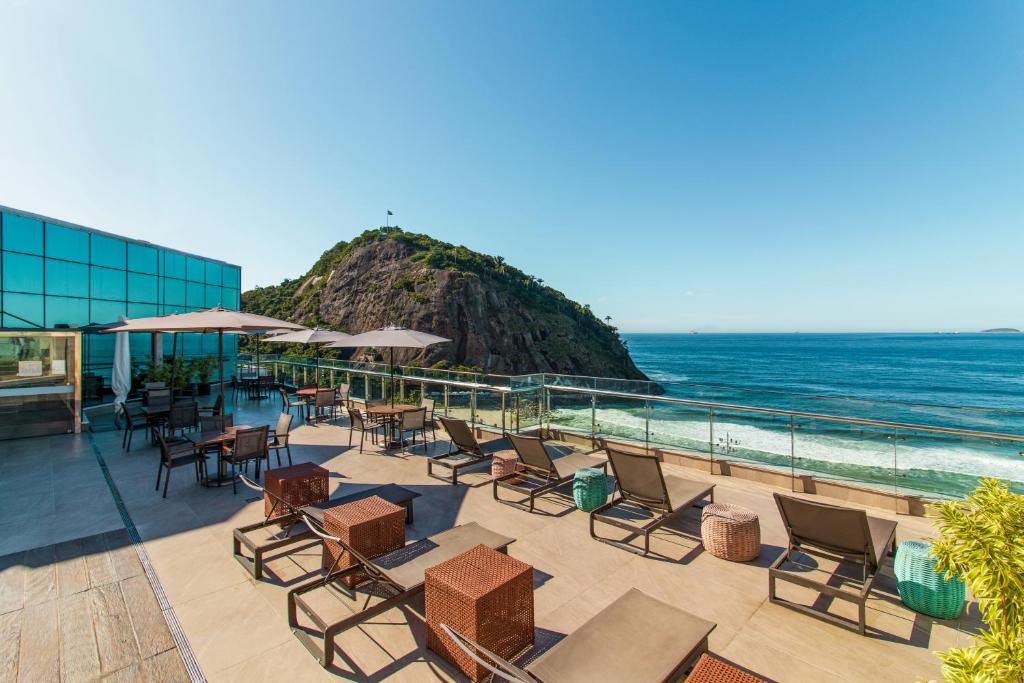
(77, 602)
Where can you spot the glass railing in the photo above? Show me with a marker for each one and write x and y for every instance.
(815, 442)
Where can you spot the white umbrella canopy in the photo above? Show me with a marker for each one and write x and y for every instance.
(219, 320)
(391, 337)
(315, 336)
(121, 373)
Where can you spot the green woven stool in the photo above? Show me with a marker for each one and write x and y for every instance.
(921, 588)
(589, 488)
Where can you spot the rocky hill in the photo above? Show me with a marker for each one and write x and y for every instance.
(500, 319)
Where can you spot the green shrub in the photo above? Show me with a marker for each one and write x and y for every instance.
(981, 540)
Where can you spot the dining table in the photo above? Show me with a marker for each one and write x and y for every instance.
(219, 439)
(390, 416)
(308, 394)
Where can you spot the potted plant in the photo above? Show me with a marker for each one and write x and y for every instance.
(980, 542)
(201, 368)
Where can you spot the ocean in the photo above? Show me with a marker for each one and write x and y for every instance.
(971, 382)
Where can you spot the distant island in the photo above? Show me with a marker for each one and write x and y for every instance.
(1002, 330)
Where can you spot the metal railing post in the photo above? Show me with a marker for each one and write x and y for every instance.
(593, 420)
(472, 407)
(516, 399)
(503, 430)
(446, 400)
(647, 426)
(366, 387)
(792, 454)
(711, 440)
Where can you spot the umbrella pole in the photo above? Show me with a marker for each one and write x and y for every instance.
(174, 353)
(316, 376)
(392, 387)
(220, 358)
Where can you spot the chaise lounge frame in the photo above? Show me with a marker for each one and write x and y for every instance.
(537, 464)
(462, 443)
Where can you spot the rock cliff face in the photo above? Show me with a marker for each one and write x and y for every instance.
(500, 319)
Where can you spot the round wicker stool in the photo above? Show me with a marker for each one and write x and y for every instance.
(505, 462)
(589, 488)
(921, 588)
(730, 532)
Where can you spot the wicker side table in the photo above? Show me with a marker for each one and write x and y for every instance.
(484, 595)
(371, 526)
(589, 488)
(297, 485)
(711, 669)
(730, 532)
(505, 462)
(921, 588)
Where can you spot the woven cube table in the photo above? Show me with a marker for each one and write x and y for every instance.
(589, 488)
(485, 596)
(297, 485)
(921, 588)
(730, 532)
(371, 526)
(505, 462)
(711, 669)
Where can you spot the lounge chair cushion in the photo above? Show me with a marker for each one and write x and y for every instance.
(407, 566)
(684, 492)
(607, 648)
(566, 466)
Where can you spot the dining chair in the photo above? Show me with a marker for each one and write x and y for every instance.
(172, 457)
(359, 424)
(323, 404)
(410, 422)
(249, 444)
(279, 438)
(287, 403)
(428, 403)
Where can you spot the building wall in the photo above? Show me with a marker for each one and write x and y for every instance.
(53, 273)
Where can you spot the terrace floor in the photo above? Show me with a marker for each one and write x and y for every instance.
(236, 628)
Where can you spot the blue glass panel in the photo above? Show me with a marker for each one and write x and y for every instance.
(100, 354)
(174, 308)
(142, 259)
(109, 252)
(107, 283)
(174, 292)
(142, 288)
(105, 311)
(142, 310)
(23, 273)
(192, 345)
(62, 310)
(22, 234)
(174, 265)
(23, 310)
(196, 269)
(67, 243)
(67, 279)
(140, 344)
(231, 299)
(232, 277)
(195, 295)
(213, 296)
(213, 273)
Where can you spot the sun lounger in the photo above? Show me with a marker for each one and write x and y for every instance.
(835, 533)
(641, 483)
(540, 472)
(399, 575)
(292, 529)
(636, 638)
(467, 451)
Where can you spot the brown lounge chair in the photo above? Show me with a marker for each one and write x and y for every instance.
(636, 638)
(834, 533)
(466, 450)
(539, 470)
(398, 575)
(641, 483)
(292, 529)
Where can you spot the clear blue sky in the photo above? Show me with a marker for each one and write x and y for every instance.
(715, 166)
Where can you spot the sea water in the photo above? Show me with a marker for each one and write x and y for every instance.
(970, 382)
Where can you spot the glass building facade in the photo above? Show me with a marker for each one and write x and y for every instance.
(55, 275)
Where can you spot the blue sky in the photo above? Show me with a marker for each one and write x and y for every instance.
(716, 166)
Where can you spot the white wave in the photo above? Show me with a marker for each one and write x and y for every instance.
(873, 450)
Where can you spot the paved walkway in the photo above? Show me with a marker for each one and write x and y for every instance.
(83, 610)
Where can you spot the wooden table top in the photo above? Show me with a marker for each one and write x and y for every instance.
(390, 410)
(311, 391)
(213, 438)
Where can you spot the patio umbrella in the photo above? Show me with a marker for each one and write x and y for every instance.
(121, 373)
(219, 320)
(316, 337)
(391, 337)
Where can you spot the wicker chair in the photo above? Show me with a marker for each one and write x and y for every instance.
(279, 437)
(250, 444)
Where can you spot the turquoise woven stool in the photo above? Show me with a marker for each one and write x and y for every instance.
(921, 588)
(589, 488)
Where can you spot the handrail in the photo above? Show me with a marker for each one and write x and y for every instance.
(791, 413)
